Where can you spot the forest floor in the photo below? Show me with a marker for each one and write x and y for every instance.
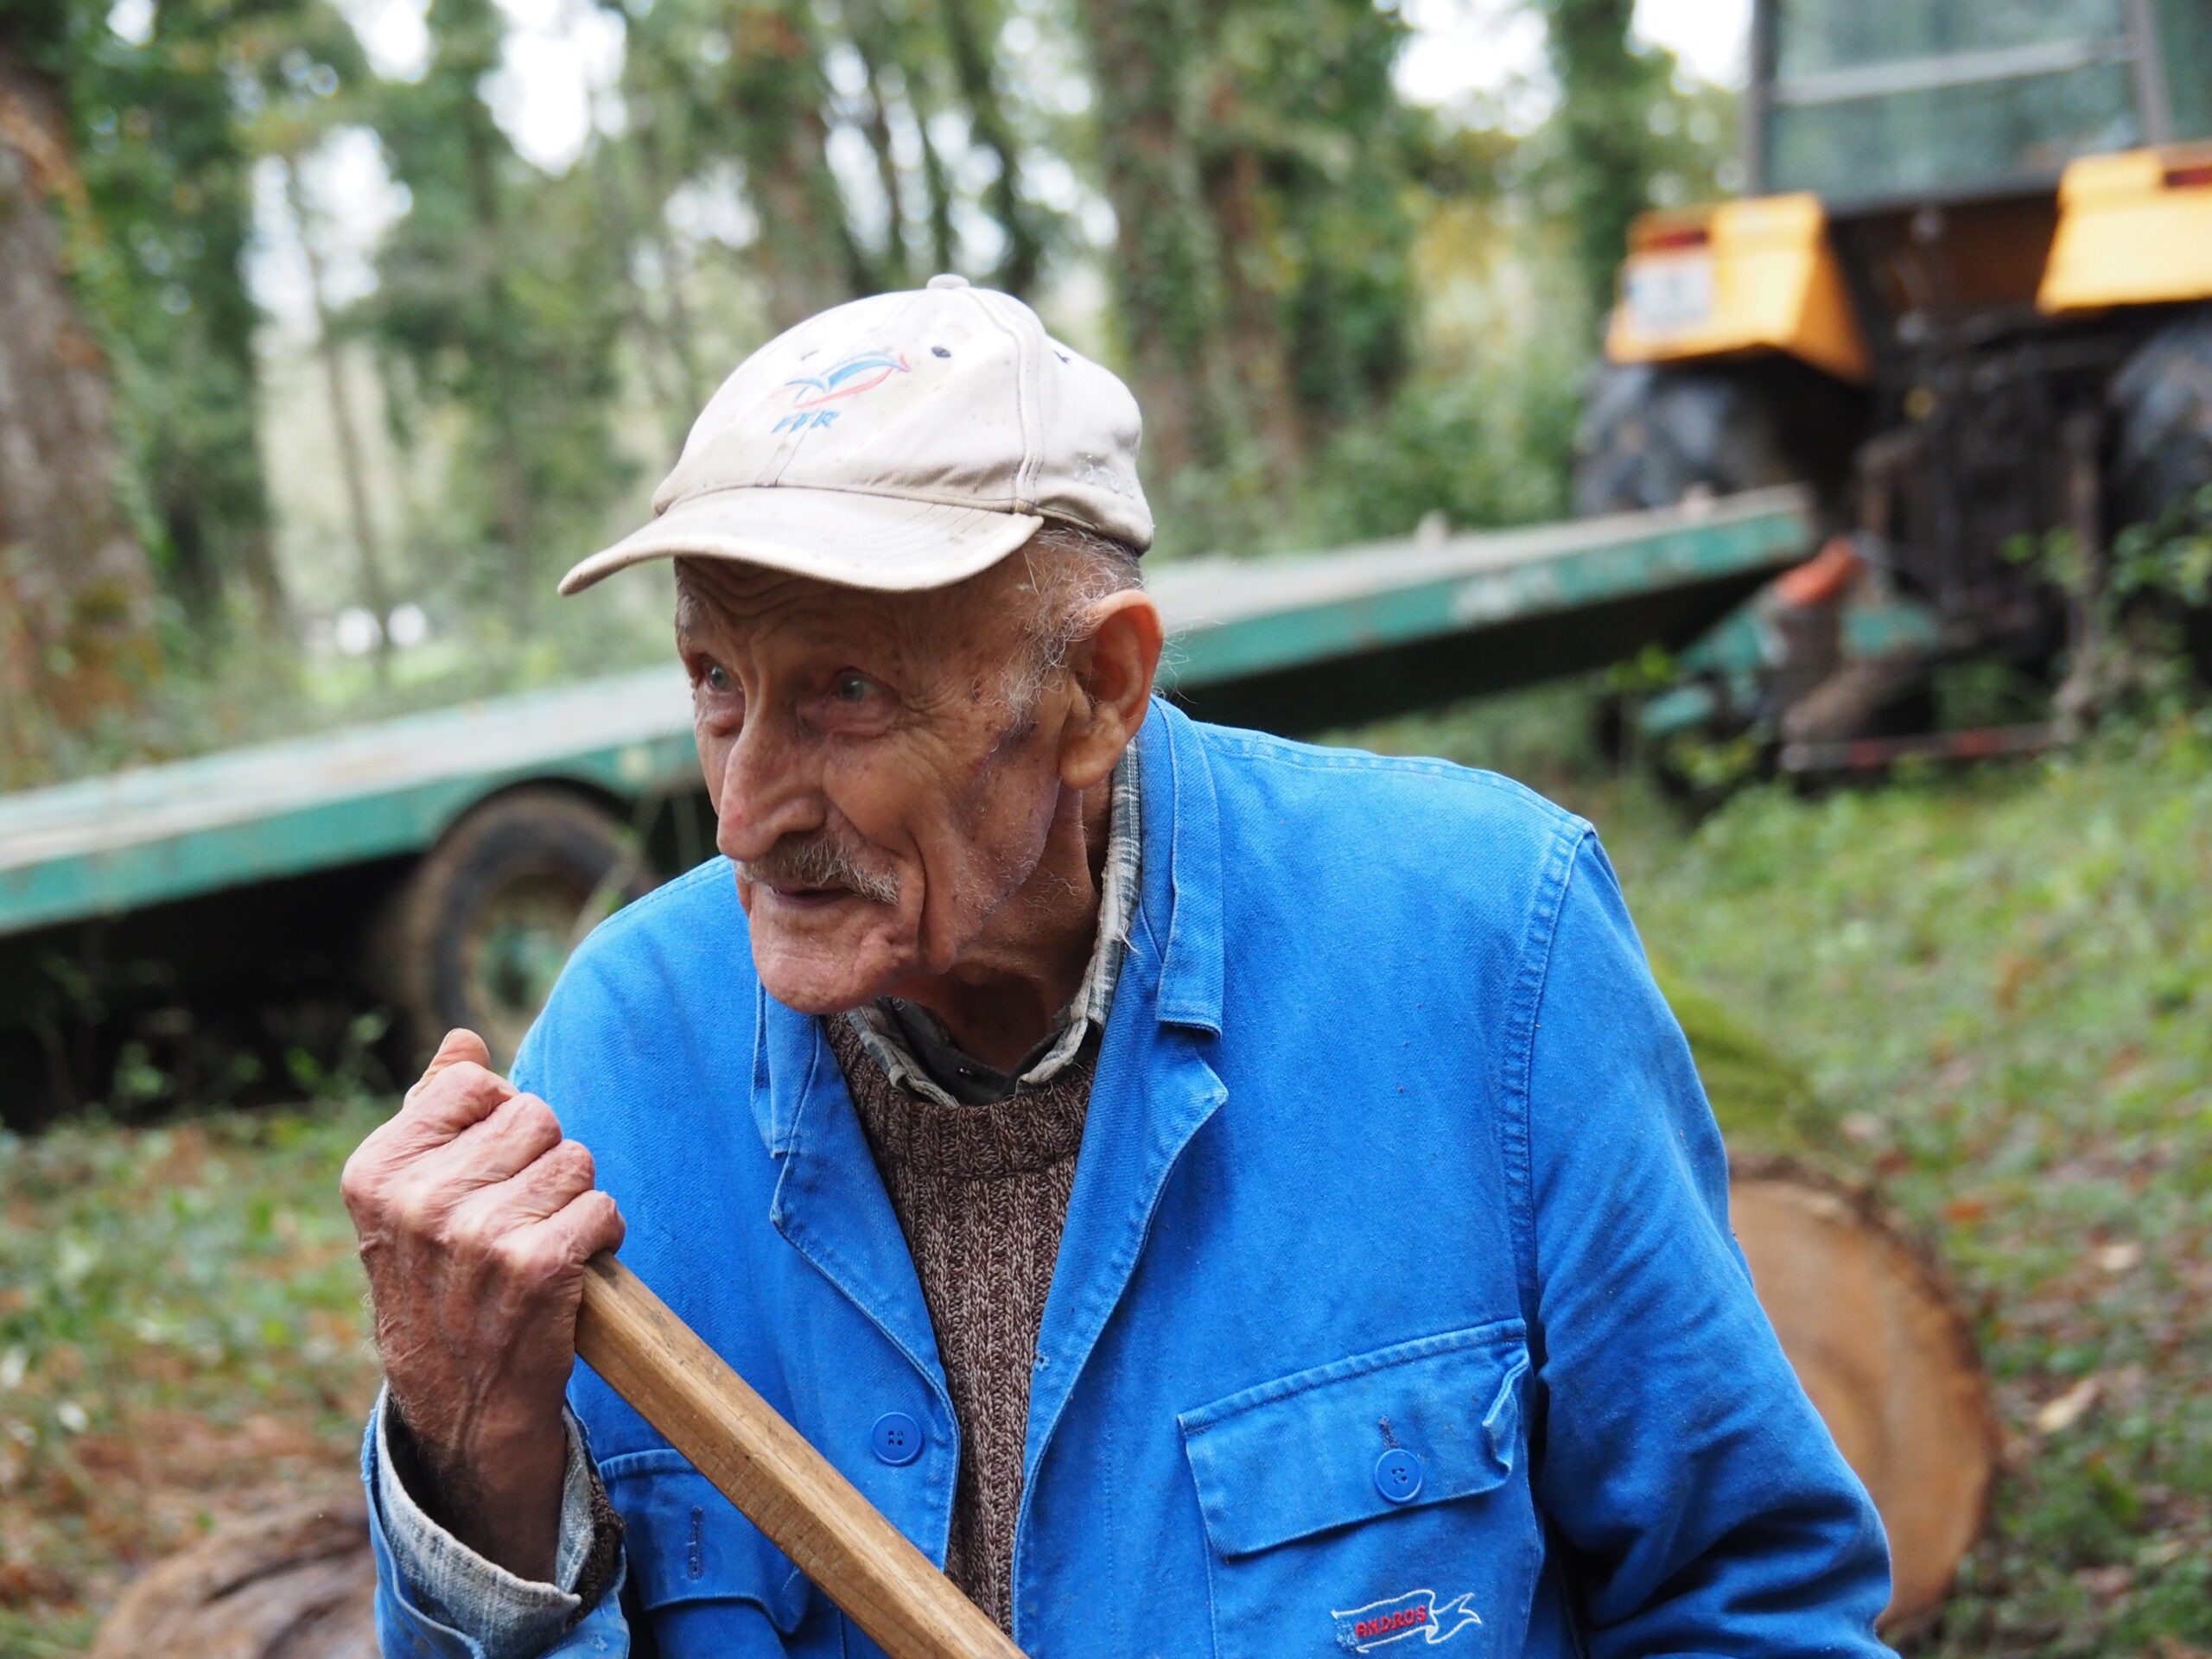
(2001, 984)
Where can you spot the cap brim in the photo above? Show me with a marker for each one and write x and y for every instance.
(883, 542)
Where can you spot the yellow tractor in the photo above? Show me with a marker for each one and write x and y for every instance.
(1966, 300)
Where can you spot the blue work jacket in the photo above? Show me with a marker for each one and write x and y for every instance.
(1396, 1301)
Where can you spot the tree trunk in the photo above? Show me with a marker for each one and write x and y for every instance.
(681, 337)
(352, 465)
(1252, 312)
(1605, 90)
(660, 359)
(806, 254)
(935, 178)
(509, 379)
(76, 611)
(1165, 276)
(965, 36)
(880, 55)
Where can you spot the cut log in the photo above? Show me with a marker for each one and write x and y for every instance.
(1881, 1343)
(295, 1585)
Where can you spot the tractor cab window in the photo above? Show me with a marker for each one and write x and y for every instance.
(1880, 97)
(2186, 43)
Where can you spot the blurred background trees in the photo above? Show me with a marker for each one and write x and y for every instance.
(75, 617)
(316, 357)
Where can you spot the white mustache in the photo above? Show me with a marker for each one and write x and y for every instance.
(818, 860)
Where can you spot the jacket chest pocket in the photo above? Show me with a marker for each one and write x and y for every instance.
(1379, 1501)
(707, 1580)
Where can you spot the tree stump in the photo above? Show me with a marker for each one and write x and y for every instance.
(1878, 1339)
(295, 1585)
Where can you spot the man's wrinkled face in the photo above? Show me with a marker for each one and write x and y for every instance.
(880, 779)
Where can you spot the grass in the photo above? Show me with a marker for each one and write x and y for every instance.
(1997, 985)
(2005, 987)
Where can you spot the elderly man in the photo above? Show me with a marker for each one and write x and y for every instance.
(1215, 1195)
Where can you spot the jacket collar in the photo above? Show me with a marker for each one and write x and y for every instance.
(1181, 873)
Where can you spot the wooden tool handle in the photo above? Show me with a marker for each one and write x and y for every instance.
(784, 1487)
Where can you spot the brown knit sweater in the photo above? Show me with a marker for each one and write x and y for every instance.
(981, 1192)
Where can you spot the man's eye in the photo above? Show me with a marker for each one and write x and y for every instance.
(853, 687)
(716, 678)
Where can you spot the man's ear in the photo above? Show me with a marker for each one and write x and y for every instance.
(1112, 670)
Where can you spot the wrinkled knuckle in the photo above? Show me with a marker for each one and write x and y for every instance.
(359, 1187)
(524, 1259)
(507, 1252)
(577, 1160)
(605, 1216)
(415, 1212)
(368, 1168)
(479, 1235)
(464, 1082)
(432, 1086)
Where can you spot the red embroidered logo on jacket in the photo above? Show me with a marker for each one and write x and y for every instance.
(1417, 1612)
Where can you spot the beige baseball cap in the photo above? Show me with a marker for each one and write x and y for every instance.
(901, 441)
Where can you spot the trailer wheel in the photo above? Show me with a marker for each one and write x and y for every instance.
(1652, 434)
(2163, 400)
(479, 930)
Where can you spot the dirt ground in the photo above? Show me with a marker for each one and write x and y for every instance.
(182, 1342)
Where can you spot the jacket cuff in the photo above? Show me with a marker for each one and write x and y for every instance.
(511, 1617)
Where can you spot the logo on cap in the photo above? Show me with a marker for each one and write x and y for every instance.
(847, 377)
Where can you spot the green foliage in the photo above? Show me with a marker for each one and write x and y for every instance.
(2170, 556)
(2143, 644)
(496, 304)
(1263, 280)
(1626, 136)
(1302, 152)
(716, 85)
(1485, 443)
(1605, 87)
(168, 134)
(1296, 249)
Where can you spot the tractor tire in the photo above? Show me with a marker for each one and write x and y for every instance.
(2162, 453)
(1652, 435)
(2162, 402)
(478, 930)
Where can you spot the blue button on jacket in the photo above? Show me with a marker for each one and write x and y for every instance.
(1393, 1147)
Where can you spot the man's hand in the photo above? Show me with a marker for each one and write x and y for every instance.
(475, 1219)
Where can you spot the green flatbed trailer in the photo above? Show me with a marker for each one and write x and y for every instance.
(443, 859)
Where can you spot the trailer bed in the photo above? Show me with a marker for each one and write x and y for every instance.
(1289, 644)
